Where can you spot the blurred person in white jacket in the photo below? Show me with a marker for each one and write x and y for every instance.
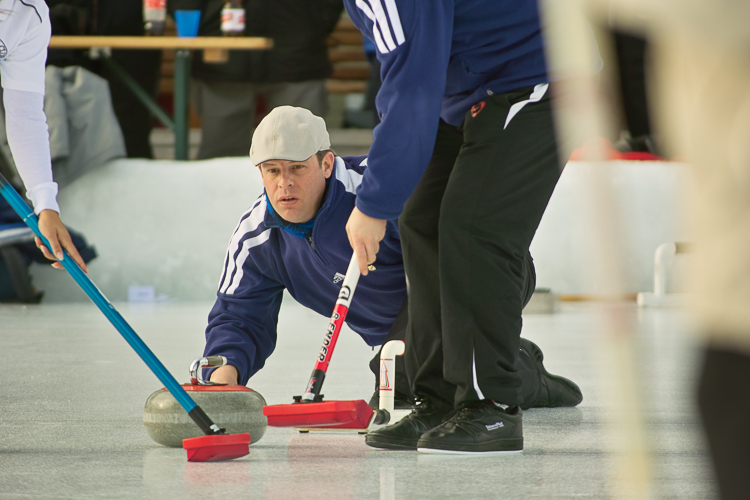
(704, 65)
(702, 70)
(24, 37)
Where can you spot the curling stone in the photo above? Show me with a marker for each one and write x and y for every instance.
(235, 408)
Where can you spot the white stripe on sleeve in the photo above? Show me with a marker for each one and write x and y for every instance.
(375, 33)
(351, 179)
(242, 257)
(395, 20)
(377, 9)
(229, 249)
(249, 224)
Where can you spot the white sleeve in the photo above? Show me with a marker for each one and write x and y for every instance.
(570, 44)
(23, 67)
(26, 125)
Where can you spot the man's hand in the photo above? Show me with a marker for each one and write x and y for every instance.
(54, 230)
(365, 233)
(226, 374)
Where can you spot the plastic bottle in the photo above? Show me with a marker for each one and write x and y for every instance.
(154, 16)
(233, 18)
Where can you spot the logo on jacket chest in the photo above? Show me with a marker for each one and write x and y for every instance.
(338, 278)
(3, 50)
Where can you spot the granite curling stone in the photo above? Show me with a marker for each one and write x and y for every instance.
(235, 408)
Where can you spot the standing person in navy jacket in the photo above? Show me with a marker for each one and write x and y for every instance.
(466, 155)
(294, 237)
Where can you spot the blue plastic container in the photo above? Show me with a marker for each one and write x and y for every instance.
(187, 22)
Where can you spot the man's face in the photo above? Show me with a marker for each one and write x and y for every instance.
(295, 188)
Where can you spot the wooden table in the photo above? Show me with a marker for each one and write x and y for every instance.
(216, 46)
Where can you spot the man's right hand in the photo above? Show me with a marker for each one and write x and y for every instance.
(365, 234)
(226, 374)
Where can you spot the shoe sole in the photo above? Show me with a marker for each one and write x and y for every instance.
(434, 451)
(390, 444)
(537, 354)
(512, 445)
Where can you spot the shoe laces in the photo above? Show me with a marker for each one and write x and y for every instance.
(423, 405)
(466, 411)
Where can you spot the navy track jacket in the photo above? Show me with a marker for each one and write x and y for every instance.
(263, 260)
(438, 58)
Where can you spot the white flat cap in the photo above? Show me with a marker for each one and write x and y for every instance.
(289, 133)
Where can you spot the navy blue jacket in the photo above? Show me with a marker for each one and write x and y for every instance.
(438, 58)
(263, 260)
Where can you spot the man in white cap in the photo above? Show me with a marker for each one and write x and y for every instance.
(294, 237)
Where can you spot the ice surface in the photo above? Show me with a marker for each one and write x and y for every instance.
(73, 395)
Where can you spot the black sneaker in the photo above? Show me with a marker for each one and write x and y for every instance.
(556, 390)
(404, 434)
(476, 427)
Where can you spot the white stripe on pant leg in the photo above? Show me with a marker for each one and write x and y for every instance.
(536, 96)
(480, 395)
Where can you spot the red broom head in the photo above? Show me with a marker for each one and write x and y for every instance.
(217, 447)
(328, 414)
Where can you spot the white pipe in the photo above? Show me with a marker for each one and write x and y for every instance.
(388, 355)
(664, 253)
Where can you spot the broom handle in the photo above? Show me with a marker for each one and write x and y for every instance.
(340, 310)
(97, 297)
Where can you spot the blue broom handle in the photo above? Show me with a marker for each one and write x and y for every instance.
(132, 338)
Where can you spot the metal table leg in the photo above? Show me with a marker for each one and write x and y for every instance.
(181, 103)
(143, 96)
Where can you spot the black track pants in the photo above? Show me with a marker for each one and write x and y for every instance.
(465, 234)
(528, 369)
(724, 407)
